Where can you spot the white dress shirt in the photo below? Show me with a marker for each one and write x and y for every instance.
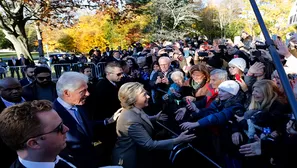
(68, 108)
(31, 164)
(8, 103)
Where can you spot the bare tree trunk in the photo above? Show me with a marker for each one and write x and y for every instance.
(39, 38)
(20, 44)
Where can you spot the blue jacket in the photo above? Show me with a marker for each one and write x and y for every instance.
(220, 112)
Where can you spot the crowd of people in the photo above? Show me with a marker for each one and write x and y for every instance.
(226, 99)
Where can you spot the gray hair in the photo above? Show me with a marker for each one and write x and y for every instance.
(128, 94)
(164, 58)
(70, 81)
(221, 74)
(177, 74)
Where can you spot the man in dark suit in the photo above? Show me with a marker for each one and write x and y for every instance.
(29, 75)
(72, 89)
(11, 94)
(38, 137)
(43, 88)
(23, 62)
(115, 57)
(13, 64)
(106, 99)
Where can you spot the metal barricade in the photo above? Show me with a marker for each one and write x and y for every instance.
(101, 69)
(76, 66)
(97, 70)
(17, 70)
(58, 69)
(94, 69)
(180, 147)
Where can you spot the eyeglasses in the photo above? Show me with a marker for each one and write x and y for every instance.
(119, 74)
(43, 78)
(58, 129)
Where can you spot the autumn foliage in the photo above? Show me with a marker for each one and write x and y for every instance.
(100, 30)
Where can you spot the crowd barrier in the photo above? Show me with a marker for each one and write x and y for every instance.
(97, 70)
(58, 69)
(183, 146)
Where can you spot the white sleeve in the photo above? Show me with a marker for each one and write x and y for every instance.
(291, 63)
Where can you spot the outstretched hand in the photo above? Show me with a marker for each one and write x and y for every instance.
(161, 117)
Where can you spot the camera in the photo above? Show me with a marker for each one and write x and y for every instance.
(264, 47)
(292, 76)
(256, 53)
(203, 54)
(222, 47)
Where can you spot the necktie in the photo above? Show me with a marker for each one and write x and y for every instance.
(79, 119)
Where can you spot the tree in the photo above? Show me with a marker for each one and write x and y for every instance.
(209, 23)
(106, 28)
(228, 11)
(4, 43)
(14, 14)
(275, 14)
(174, 17)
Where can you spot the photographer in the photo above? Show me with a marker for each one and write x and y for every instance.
(161, 79)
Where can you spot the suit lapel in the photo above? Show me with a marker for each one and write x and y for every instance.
(85, 120)
(68, 120)
(143, 116)
(17, 164)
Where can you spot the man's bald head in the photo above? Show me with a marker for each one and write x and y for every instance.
(8, 81)
(11, 89)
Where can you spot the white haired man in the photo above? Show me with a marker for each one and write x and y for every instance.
(72, 90)
(161, 80)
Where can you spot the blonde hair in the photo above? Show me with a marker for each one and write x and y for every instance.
(128, 94)
(268, 89)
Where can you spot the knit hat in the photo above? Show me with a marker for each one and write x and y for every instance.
(239, 63)
(230, 86)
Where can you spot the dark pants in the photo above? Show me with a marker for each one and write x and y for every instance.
(15, 70)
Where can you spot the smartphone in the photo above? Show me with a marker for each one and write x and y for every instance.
(238, 78)
(161, 75)
(188, 101)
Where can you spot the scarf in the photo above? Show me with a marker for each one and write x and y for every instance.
(196, 86)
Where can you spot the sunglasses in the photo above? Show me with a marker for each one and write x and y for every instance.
(119, 74)
(58, 129)
(43, 78)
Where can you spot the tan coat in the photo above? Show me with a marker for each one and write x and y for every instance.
(134, 131)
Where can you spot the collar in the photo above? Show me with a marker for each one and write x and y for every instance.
(32, 164)
(30, 80)
(8, 103)
(113, 83)
(143, 115)
(138, 111)
(64, 104)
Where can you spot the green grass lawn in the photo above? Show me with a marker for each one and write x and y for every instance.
(7, 55)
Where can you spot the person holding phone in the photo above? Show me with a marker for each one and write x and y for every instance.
(237, 67)
(161, 80)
